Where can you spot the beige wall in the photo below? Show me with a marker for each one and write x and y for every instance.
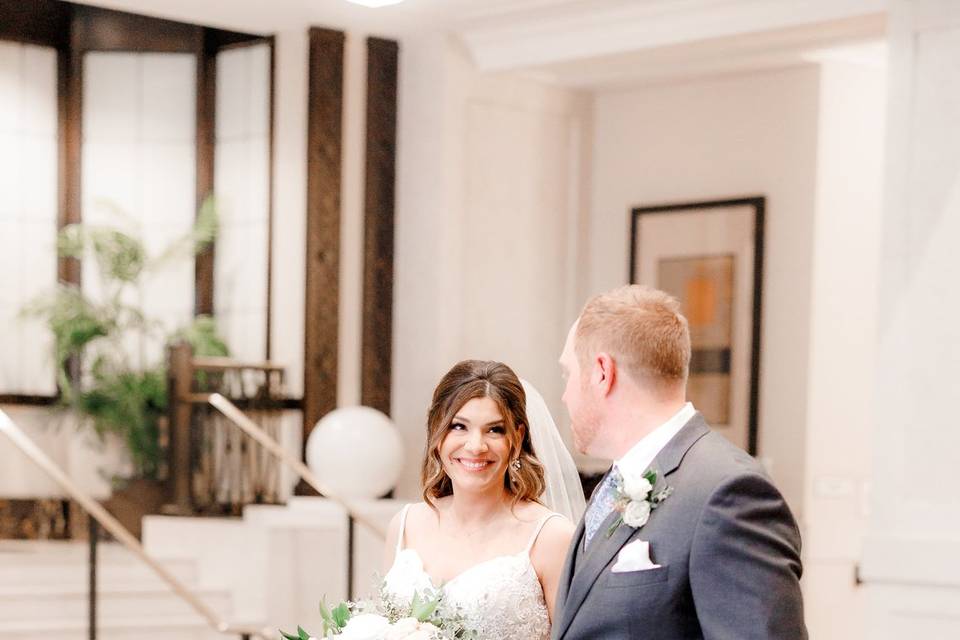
(843, 320)
(488, 193)
(736, 135)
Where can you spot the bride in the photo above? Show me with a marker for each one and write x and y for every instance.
(488, 533)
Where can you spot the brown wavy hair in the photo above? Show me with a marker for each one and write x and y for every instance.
(471, 379)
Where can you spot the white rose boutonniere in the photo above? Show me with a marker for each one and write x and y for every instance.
(635, 486)
(635, 499)
(636, 513)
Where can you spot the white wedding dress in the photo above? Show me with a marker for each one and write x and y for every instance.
(500, 598)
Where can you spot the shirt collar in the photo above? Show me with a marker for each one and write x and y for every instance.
(641, 455)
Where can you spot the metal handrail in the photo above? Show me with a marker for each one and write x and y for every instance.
(248, 426)
(23, 442)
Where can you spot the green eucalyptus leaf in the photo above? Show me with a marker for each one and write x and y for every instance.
(329, 624)
(341, 615)
(303, 634)
(287, 636)
(422, 609)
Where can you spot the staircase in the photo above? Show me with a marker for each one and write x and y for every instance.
(43, 594)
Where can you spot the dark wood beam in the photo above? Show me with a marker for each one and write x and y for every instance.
(379, 200)
(324, 133)
(41, 22)
(206, 149)
(273, 84)
(96, 29)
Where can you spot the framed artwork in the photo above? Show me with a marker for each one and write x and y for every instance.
(710, 256)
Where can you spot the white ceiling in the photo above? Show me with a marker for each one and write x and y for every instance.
(269, 16)
(581, 43)
(857, 38)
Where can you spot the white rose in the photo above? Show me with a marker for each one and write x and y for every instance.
(635, 485)
(637, 513)
(402, 629)
(366, 626)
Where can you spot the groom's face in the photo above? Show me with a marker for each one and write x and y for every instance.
(584, 422)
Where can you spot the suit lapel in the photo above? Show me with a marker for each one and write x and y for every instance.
(595, 558)
(569, 567)
(574, 559)
(576, 584)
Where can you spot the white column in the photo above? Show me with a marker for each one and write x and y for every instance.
(843, 316)
(911, 561)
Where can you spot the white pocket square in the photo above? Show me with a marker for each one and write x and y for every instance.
(634, 557)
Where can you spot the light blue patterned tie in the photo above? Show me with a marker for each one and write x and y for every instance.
(601, 505)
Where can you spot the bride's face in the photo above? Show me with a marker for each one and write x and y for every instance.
(476, 450)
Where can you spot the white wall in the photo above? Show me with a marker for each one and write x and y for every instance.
(739, 135)
(489, 170)
(843, 320)
(911, 561)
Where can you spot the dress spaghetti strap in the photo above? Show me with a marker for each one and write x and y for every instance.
(536, 532)
(403, 524)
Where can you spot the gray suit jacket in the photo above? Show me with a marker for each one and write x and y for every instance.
(728, 547)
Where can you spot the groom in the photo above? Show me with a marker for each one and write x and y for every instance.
(718, 556)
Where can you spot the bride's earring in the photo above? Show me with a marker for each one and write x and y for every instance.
(515, 465)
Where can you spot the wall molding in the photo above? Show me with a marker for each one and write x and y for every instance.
(533, 35)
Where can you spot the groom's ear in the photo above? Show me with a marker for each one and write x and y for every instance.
(604, 373)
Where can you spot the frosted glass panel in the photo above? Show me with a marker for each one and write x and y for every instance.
(241, 181)
(28, 213)
(139, 171)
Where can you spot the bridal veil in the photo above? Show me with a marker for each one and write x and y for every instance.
(564, 493)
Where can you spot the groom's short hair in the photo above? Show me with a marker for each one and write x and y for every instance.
(642, 329)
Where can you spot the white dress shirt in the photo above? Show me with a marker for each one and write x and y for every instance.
(641, 455)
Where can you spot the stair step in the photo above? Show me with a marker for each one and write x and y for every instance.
(130, 628)
(57, 550)
(65, 564)
(71, 603)
(74, 574)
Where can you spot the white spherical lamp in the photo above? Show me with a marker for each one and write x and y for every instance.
(356, 452)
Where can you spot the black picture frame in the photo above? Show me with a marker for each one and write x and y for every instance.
(754, 207)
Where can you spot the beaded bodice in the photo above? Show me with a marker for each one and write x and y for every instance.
(500, 598)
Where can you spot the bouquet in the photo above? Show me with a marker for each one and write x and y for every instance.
(426, 617)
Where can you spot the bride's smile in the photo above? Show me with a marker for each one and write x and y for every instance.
(473, 465)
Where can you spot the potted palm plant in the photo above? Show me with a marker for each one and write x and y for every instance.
(109, 353)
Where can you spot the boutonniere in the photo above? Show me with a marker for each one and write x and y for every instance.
(634, 498)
